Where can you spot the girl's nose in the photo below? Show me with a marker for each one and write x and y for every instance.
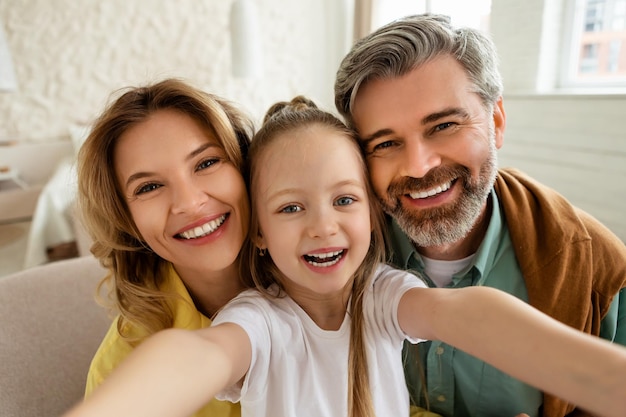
(322, 223)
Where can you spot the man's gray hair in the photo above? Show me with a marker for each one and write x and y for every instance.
(404, 44)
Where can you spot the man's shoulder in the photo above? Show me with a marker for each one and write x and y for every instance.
(530, 205)
(523, 198)
(511, 178)
(554, 240)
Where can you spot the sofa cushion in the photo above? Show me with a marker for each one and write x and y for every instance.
(50, 329)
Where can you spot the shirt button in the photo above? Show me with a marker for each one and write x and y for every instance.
(439, 350)
(441, 398)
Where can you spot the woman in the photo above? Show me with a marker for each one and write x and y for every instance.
(162, 196)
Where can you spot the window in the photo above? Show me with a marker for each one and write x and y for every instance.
(596, 56)
(594, 16)
(473, 13)
(589, 59)
(614, 50)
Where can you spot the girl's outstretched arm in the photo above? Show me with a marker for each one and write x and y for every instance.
(172, 373)
(523, 342)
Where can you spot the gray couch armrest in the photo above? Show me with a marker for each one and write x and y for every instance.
(50, 328)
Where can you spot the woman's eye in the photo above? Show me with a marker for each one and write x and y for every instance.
(382, 145)
(290, 209)
(207, 163)
(344, 201)
(146, 188)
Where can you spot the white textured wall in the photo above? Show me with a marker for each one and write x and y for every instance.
(70, 55)
(573, 143)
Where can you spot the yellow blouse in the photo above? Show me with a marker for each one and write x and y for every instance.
(114, 349)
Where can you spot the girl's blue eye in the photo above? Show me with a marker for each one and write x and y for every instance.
(290, 209)
(344, 201)
(146, 188)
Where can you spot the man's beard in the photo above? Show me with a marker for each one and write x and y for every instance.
(448, 223)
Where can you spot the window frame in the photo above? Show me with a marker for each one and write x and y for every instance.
(572, 59)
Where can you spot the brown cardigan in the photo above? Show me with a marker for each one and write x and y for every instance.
(572, 265)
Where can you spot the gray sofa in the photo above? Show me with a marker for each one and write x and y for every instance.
(50, 328)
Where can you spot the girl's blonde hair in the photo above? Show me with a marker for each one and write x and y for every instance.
(288, 117)
(136, 273)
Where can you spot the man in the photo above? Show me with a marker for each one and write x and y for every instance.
(426, 101)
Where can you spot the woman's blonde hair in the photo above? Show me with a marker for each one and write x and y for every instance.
(287, 117)
(136, 273)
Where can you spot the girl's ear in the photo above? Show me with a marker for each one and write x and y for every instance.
(259, 241)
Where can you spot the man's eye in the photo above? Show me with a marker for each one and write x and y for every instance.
(444, 126)
(290, 209)
(207, 163)
(344, 201)
(146, 188)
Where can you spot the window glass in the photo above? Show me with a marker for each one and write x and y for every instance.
(596, 56)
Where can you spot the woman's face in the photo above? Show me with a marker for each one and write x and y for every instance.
(189, 203)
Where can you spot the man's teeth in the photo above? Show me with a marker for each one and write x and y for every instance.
(324, 259)
(432, 191)
(203, 230)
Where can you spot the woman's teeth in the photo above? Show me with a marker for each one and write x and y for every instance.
(324, 259)
(203, 230)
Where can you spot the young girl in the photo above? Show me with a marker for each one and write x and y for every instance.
(322, 333)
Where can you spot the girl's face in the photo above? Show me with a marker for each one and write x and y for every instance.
(188, 201)
(313, 210)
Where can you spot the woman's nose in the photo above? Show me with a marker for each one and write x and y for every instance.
(187, 197)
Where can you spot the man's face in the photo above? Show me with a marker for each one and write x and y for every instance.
(431, 149)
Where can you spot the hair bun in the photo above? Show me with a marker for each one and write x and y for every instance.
(298, 103)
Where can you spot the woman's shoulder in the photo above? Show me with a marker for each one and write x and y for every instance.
(112, 350)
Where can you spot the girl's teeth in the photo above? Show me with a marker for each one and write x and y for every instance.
(320, 259)
(326, 255)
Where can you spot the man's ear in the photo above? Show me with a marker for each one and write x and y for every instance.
(499, 120)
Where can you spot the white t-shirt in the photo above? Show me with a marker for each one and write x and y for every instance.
(298, 369)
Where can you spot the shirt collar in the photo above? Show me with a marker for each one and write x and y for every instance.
(186, 315)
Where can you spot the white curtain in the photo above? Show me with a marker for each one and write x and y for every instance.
(363, 12)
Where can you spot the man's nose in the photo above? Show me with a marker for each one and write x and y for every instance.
(419, 158)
